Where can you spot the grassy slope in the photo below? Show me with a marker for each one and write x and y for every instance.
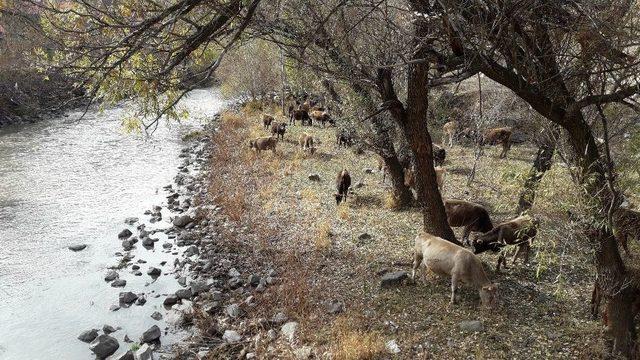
(544, 306)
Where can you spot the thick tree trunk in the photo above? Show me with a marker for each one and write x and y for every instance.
(401, 192)
(541, 164)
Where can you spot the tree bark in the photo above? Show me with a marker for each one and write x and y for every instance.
(541, 164)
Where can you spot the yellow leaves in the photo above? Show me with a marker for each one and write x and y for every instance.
(132, 124)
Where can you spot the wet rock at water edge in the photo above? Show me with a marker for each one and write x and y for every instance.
(111, 275)
(127, 245)
(184, 294)
(182, 221)
(167, 245)
(141, 300)
(78, 247)
(199, 287)
(170, 300)
(114, 308)
(156, 316)
(145, 352)
(126, 233)
(131, 220)
(127, 297)
(151, 335)
(119, 283)
(126, 356)
(393, 279)
(231, 336)
(104, 346)
(88, 336)
(108, 329)
(148, 242)
(153, 271)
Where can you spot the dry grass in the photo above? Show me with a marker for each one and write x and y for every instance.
(315, 247)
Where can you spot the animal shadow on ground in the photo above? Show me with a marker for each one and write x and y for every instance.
(365, 201)
(459, 170)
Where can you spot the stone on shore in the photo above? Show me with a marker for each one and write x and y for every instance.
(108, 329)
(170, 300)
(151, 335)
(104, 346)
(124, 234)
(156, 316)
(131, 220)
(154, 271)
(127, 297)
(111, 275)
(125, 356)
(78, 247)
(88, 336)
(184, 294)
(119, 283)
(182, 221)
(145, 352)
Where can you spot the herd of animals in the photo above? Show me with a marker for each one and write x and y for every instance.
(443, 257)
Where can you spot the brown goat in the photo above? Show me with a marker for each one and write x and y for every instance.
(343, 182)
(626, 223)
(306, 143)
(450, 129)
(264, 143)
(474, 217)
(300, 115)
(278, 130)
(448, 259)
(498, 136)
(519, 231)
(319, 116)
(267, 120)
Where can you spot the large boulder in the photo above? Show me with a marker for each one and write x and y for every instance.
(127, 297)
(104, 346)
(153, 271)
(182, 221)
(111, 275)
(124, 234)
(151, 335)
(88, 336)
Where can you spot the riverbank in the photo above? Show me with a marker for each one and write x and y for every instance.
(294, 276)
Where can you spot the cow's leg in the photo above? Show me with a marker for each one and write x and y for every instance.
(417, 261)
(454, 287)
(465, 235)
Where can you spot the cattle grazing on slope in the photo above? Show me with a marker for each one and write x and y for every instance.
(264, 143)
(448, 259)
(474, 217)
(498, 136)
(267, 120)
(306, 143)
(278, 130)
(519, 232)
(343, 182)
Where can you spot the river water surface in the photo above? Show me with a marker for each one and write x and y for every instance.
(66, 181)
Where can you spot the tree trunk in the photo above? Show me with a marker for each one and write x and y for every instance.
(541, 164)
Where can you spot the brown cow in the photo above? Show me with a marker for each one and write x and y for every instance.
(300, 115)
(450, 129)
(278, 130)
(448, 259)
(264, 143)
(519, 231)
(474, 217)
(267, 120)
(321, 116)
(498, 136)
(343, 182)
(306, 143)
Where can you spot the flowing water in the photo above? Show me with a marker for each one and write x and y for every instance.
(66, 181)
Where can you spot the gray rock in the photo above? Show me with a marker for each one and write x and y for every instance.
(254, 280)
(182, 281)
(126, 233)
(104, 346)
(127, 297)
(289, 330)
(393, 279)
(471, 326)
(119, 283)
(78, 247)
(156, 316)
(314, 177)
(231, 336)
(151, 335)
(154, 271)
(145, 352)
(167, 245)
(233, 310)
(184, 294)
(364, 237)
(182, 221)
(126, 339)
(88, 336)
(335, 307)
(114, 308)
(170, 300)
(141, 300)
(131, 220)
(111, 275)
(127, 244)
(392, 347)
(199, 287)
(148, 242)
(279, 318)
(108, 329)
(304, 352)
(126, 356)
(233, 273)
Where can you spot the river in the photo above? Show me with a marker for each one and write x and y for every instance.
(65, 181)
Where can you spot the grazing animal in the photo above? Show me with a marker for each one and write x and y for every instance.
(344, 138)
(300, 115)
(626, 223)
(474, 217)
(306, 106)
(320, 116)
(306, 143)
(267, 120)
(439, 154)
(450, 129)
(519, 231)
(410, 177)
(278, 130)
(343, 182)
(498, 136)
(448, 259)
(264, 143)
